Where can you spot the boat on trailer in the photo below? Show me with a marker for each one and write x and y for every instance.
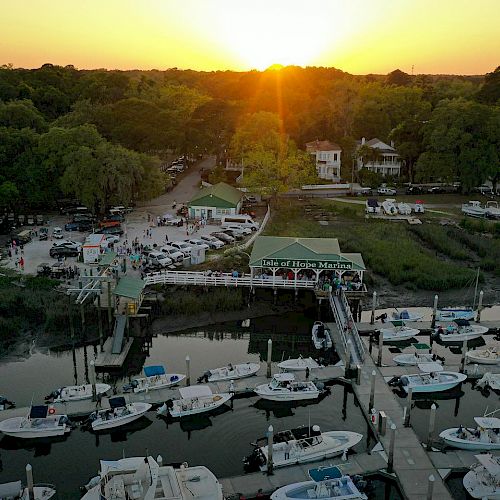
(16, 491)
(492, 210)
(230, 372)
(483, 479)
(321, 336)
(76, 392)
(485, 437)
(284, 387)
(119, 413)
(490, 356)
(298, 364)
(473, 209)
(155, 378)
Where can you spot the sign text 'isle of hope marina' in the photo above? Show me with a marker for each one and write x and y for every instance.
(306, 264)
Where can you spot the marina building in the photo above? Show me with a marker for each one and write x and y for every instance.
(214, 202)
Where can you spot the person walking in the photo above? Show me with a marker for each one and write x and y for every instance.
(166, 238)
(21, 263)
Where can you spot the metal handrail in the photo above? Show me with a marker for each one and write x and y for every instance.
(339, 321)
(353, 328)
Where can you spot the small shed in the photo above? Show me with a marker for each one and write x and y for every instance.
(129, 293)
(92, 247)
(214, 202)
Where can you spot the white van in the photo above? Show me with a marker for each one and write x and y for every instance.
(239, 220)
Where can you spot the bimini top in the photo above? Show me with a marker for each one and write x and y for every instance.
(151, 371)
(284, 377)
(39, 411)
(118, 402)
(430, 367)
(461, 322)
(488, 422)
(195, 391)
(490, 463)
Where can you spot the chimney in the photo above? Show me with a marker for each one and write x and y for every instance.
(362, 141)
(392, 144)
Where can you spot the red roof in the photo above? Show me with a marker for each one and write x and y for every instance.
(317, 145)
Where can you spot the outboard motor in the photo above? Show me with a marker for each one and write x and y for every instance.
(93, 481)
(5, 403)
(382, 317)
(130, 387)
(394, 381)
(204, 377)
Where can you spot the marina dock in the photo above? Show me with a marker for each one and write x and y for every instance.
(424, 326)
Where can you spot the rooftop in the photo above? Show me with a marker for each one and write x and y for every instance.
(318, 145)
(221, 190)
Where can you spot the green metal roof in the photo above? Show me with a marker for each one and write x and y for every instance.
(219, 195)
(129, 287)
(107, 258)
(303, 249)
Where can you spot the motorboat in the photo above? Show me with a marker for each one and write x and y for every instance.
(389, 206)
(145, 478)
(372, 206)
(41, 422)
(459, 331)
(406, 315)
(485, 437)
(452, 313)
(404, 208)
(473, 209)
(5, 404)
(431, 380)
(321, 336)
(334, 488)
(419, 207)
(76, 392)
(491, 380)
(119, 413)
(284, 387)
(155, 378)
(230, 372)
(490, 356)
(492, 210)
(416, 358)
(16, 491)
(303, 445)
(194, 399)
(483, 479)
(398, 333)
(298, 364)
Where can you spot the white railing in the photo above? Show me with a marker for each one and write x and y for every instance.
(352, 326)
(339, 321)
(226, 279)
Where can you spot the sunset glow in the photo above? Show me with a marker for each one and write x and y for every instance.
(449, 36)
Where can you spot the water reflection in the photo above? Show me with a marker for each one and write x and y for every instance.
(281, 409)
(120, 434)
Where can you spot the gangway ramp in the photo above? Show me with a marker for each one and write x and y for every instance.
(118, 334)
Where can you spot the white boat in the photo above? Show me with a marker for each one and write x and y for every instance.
(298, 364)
(490, 379)
(415, 358)
(492, 210)
(398, 333)
(473, 209)
(5, 404)
(231, 372)
(483, 480)
(406, 315)
(372, 206)
(485, 437)
(156, 378)
(120, 413)
(433, 381)
(321, 336)
(404, 208)
(340, 488)
(144, 478)
(76, 392)
(389, 206)
(302, 445)
(419, 207)
(194, 399)
(284, 387)
(460, 331)
(489, 356)
(452, 313)
(16, 491)
(39, 423)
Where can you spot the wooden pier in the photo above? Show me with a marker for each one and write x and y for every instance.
(109, 360)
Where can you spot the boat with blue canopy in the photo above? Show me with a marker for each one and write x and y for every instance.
(155, 378)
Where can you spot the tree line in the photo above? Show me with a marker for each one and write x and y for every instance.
(101, 135)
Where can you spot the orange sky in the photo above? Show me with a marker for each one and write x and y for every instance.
(358, 36)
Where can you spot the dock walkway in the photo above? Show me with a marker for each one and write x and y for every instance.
(365, 328)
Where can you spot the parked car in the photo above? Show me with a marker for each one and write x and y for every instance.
(386, 191)
(112, 238)
(58, 252)
(160, 259)
(111, 230)
(414, 190)
(174, 222)
(234, 234)
(172, 253)
(212, 241)
(57, 233)
(115, 217)
(198, 243)
(364, 191)
(239, 220)
(487, 190)
(67, 244)
(436, 190)
(108, 223)
(226, 238)
(239, 229)
(182, 246)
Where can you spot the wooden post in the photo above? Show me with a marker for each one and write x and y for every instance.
(29, 482)
(380, 348)
(434, 311)
(188, 371)
(464, 357)
(479, 307)
(390, 459)
(374, 303)
(110, 310)
(432, 421)
(408, 407)
(270, 441)
(99, 322)
(372, 391)
(269, 357)
(92, 380)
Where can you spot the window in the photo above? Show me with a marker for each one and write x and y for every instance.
(223, 211)
(334, 156)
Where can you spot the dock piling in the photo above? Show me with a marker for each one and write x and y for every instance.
(29, 482)
(380, 348)
(374, 303)
(408, 407)
(270, 441)
(99, 322)
(434, 311)
(372, 391)
(479, 307)
(464, 357)
(92, 380)
(382, 423)
(430, 487)
(432, 421)
(188, 374)
(390, 459)
(269, 357)
(159, 460)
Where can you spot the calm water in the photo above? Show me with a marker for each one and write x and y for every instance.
(219, 442)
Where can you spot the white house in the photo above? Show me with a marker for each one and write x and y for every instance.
(388, 161)
(327, 158)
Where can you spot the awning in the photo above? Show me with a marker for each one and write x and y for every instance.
(488, 422)
(129, 287)
(151, 371)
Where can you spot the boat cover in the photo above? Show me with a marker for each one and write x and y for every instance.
(39, 411)
(195, 391)
(430, 367)
(117, 402)
(323, 473)
(10, 490)
(151, 371)
(404, 314)
(490, 464)
(372, 202)
(488, 422)
(284, 377)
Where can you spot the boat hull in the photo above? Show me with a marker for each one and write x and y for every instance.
(459, 337)
(147, 385)
(285, 395)
(476, 489)
(12, 427)
(140, 410)
(390, 335)
(194, 411)
(73, 394)
(298, 364)
(480, 357)
(307, 489)
(450, 438)
(434, 386)
(412, 360)
(239, 373)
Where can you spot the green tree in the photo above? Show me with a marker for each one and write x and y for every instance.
(398, 77)
(9, 194)
(489, 93)
(21, 114)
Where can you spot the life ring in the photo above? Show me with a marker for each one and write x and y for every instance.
(52, 411)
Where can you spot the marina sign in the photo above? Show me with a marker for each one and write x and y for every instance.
(307, 264)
